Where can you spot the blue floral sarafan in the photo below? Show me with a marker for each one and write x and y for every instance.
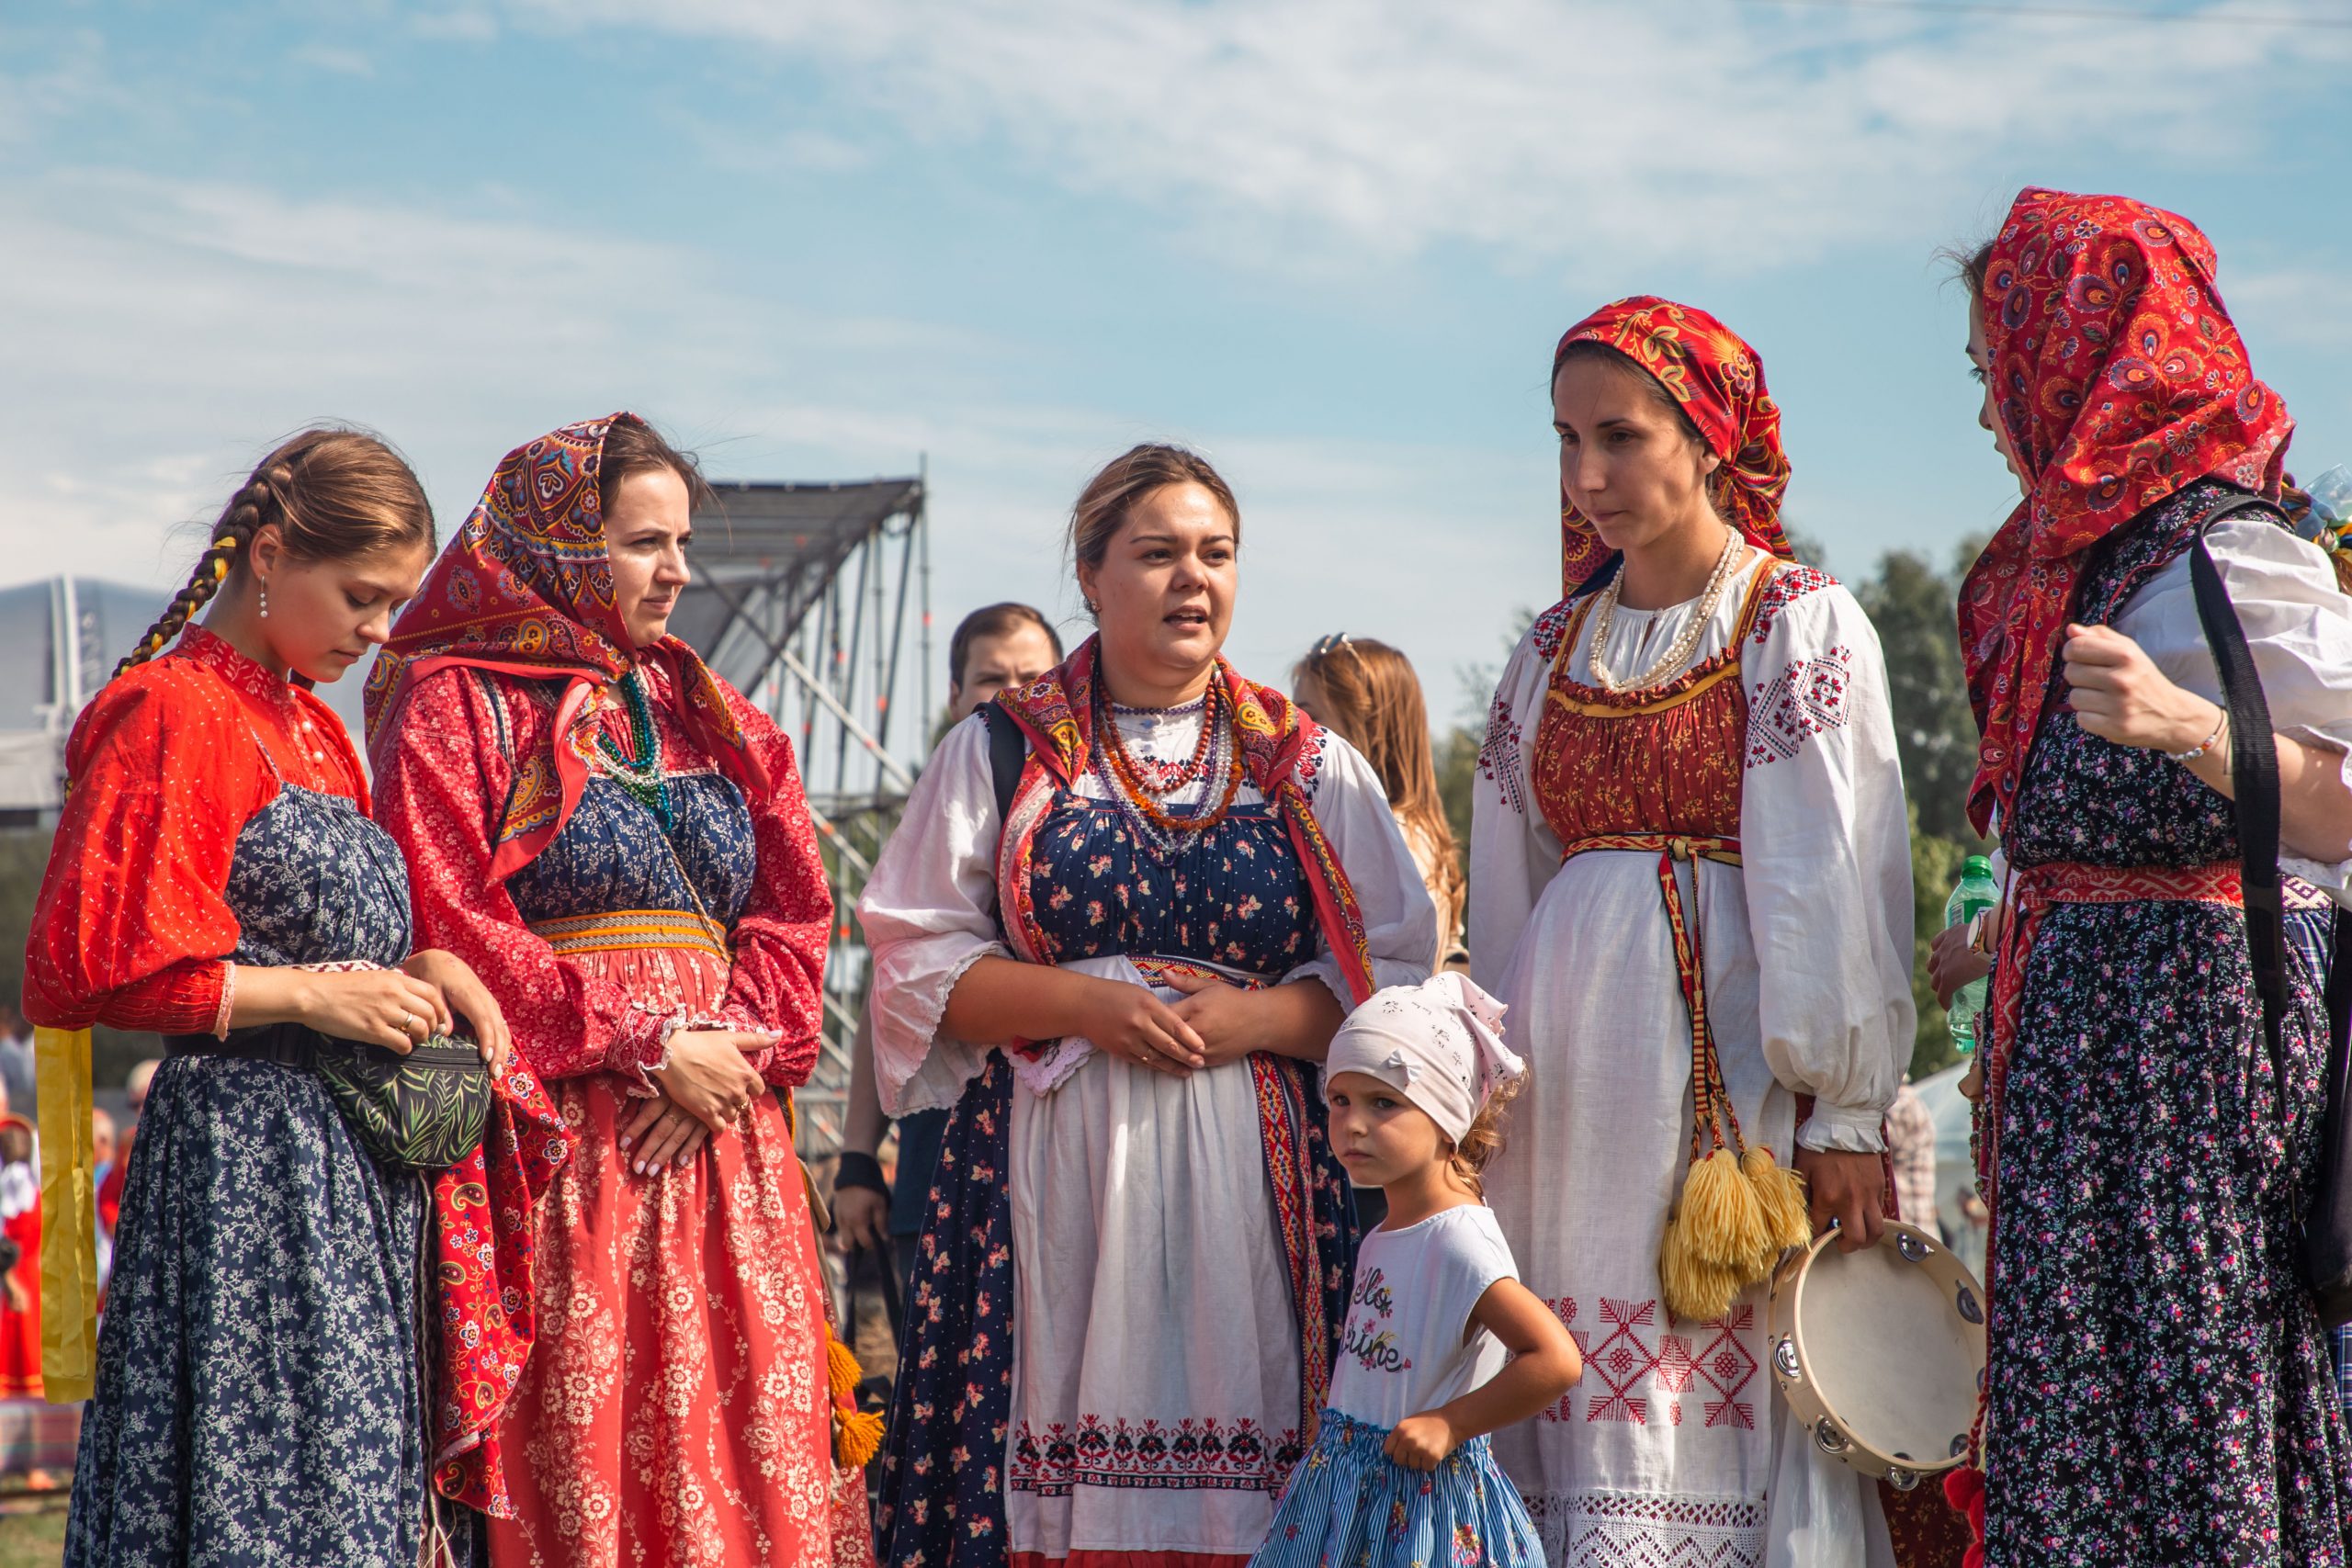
(257, 1402)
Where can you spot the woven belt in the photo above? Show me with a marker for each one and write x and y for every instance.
(2037, 887)
(1673, 846)
(615, 930)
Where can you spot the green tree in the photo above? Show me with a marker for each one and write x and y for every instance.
(1914, 607)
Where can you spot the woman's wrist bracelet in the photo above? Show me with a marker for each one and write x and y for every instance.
(858, 1168)
(2221, 726)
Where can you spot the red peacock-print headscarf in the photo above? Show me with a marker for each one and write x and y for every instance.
(1718, 381)
(526, 588)
(2118, 380)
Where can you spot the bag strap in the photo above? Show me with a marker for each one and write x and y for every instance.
(2253, 778)
(1008, 749)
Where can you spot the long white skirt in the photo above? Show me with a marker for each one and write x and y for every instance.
(1156, 1358)
(1671, 1448)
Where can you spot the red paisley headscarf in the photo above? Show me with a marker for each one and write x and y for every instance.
(2118, 380)
(1718, 381)
(526, 588)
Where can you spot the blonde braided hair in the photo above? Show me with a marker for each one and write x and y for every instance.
(331, 492)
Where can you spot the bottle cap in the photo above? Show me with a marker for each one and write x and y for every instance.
(1977, 865)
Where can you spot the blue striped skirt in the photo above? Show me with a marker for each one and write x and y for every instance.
(1350, 1506)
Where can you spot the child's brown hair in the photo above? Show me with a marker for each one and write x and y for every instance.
(1467, 1160)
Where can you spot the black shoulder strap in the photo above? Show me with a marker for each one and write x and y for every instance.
(2254, 777)
(1008, 749)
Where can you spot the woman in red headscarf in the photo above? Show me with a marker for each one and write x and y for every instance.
(619, 842)
(2158, 1390)
(1691, 878)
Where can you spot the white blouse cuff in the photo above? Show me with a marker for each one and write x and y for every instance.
(1838, 1129)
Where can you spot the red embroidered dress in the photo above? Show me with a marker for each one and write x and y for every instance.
(676, 1410)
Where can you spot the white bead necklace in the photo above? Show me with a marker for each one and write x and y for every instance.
(1678, 653)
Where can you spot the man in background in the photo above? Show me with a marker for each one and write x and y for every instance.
(998, 649)
(16, 1071)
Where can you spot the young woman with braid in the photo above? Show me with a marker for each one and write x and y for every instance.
(258, 1394)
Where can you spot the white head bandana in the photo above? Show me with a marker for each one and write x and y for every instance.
(1439, 1043)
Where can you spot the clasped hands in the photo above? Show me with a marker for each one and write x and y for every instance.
(706, 1085)
(1209, 1024)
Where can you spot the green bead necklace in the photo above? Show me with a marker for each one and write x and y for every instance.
(638, 769)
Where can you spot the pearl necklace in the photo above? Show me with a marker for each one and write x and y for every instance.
(1678, 653)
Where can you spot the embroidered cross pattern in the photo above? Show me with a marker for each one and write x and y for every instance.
(1802, 701)
(1629, 1351)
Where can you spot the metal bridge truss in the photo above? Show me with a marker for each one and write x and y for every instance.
(813, 599)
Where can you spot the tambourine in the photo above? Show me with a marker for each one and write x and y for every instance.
(1880, 1352)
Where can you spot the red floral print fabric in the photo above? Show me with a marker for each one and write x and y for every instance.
(2119, 378)
(462, 743)
(1717, 380)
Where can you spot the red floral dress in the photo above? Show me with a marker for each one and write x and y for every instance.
(675, 1409)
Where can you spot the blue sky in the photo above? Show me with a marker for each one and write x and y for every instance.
(1329, 241)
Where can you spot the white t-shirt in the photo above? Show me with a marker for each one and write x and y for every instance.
(1403, 1350)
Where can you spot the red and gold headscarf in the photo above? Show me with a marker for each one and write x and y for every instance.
(2118, 380)
(1717, 380)
(526, 588)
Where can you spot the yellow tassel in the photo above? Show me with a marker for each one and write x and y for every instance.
(219, 567)
(1695, 1290)
(857, 1438)
(841, 1369)
(1780, 1192)
(1723, 1219)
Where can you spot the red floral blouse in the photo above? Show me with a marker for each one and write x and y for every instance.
(451, 764)
(167, 766)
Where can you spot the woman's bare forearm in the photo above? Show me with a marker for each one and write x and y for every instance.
(1002, 1000)
(2314, 805)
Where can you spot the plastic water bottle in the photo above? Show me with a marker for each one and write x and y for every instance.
(1976, 893)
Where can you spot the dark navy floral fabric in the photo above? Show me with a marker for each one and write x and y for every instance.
(2159, 1390)
(256, 1403)
(1235, 895)
(611, 856)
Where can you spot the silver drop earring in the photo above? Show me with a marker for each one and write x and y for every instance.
(263, 589)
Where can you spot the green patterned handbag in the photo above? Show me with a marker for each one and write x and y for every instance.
(422, 1111)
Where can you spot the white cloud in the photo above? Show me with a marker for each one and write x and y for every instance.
(163, 335)
(333, 60)
(1545, 132)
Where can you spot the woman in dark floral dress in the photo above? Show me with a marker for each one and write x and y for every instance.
(2158, 1390)
(258, 1398)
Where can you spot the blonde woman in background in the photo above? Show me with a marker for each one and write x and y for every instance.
(1366, 692)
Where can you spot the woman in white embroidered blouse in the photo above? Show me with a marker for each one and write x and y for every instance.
(1690, 790)
(1130, 1284)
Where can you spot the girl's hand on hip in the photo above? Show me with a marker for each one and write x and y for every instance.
(1845, 1188)
(374, 1007)
(661, 1132)
(2118, 695)
(1419, 1442)
(469, 1000)
(1128, 1020)
(707, 1078)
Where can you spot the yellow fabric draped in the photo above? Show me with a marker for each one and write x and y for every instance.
(69, 1215)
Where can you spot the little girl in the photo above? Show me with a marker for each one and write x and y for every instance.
(1400, 1473)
